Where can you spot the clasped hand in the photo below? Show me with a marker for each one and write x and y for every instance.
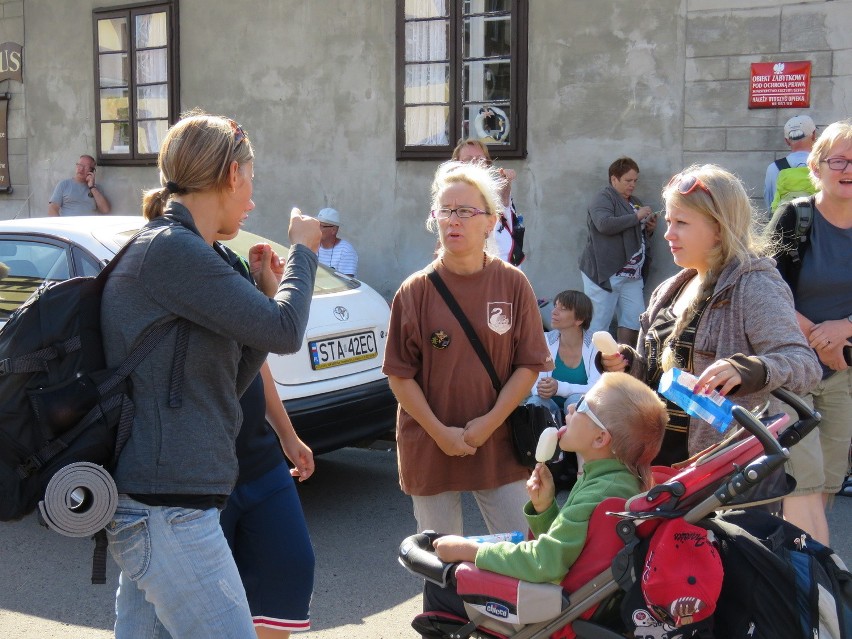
(546, 387)
(828, 339)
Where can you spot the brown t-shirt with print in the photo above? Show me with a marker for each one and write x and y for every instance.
(427, 344)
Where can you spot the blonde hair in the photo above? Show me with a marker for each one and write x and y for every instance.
(195, 156)
(834, 133)
(729, 208)
(485, 179)
(636, 419)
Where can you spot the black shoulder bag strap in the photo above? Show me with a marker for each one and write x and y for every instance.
(441, 287)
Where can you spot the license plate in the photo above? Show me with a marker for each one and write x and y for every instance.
(346, 349)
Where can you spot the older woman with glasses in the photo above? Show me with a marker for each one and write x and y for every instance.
(727, 316)
(452, 434)
(508, 233)
(817, 271)
(178, 467)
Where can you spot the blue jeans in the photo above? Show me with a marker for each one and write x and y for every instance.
(178, 577)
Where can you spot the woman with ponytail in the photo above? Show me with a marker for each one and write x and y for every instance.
(727, 317)
(179, 465)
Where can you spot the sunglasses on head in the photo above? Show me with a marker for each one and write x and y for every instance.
(239, 134)
(687, 183)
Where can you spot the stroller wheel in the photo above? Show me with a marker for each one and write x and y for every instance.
(446, 626)
(440, 625)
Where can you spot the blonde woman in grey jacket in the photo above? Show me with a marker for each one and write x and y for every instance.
(727, 316)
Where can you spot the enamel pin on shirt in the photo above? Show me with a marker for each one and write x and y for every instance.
(440, 340)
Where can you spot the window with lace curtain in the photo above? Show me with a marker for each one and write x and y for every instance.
(136, 81)
(461, 72)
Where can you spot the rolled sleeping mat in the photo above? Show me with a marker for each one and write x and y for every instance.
(79, 500)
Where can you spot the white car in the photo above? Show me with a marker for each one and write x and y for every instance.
(333, 388)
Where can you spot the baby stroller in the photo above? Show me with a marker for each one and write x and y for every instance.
(596, 600)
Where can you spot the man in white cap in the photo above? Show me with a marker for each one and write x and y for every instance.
(333, 251)
(800, 135)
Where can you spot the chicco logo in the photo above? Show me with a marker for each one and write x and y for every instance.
(497, 610)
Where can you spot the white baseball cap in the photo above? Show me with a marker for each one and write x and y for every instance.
(799, 127)
(329, 216)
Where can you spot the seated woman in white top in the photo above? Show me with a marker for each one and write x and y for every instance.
(573, 353)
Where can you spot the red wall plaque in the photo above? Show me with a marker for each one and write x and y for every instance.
(784, 85)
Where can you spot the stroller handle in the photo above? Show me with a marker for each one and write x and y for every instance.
(775, 452)
(808, 418)
(417, 555)
(753, 425)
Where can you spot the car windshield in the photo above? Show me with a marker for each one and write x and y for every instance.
(328, 280)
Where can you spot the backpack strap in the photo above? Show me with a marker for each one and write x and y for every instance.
(36, 361)
(782, 164)
(791, 225)
(804, 218)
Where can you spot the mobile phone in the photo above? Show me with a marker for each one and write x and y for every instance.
(847, 354)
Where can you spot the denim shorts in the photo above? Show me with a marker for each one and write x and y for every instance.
(177, 574)
(265, 526)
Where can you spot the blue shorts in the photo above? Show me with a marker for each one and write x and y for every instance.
(265, 527)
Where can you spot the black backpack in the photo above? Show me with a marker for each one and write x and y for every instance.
(59, 403)
(779, 582)
(791, 226)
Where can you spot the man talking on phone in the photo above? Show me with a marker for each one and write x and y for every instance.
(80, 195)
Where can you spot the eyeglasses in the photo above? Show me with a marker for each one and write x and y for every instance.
(89, 168)
(837, 164)
(463, 212)
(239, 134)
(482, 161)
(582, 407)
(686, 184)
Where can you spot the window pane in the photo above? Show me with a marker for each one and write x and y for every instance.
(425, 9)
(427, 83)
(29, 264)
(487, 37)
(427, 125)
(115, 104)
(115, 138)
(425, 41)
(487, 122)
(151, 30)
(152, 101)
(152, 66)
(485, 6)
(486, 81)
(112, 35)
(114, 70)
(151, 134)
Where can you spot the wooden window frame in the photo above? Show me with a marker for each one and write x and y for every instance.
(518, 94)
(129, 12)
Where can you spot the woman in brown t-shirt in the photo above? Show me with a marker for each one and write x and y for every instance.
(451, 424)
